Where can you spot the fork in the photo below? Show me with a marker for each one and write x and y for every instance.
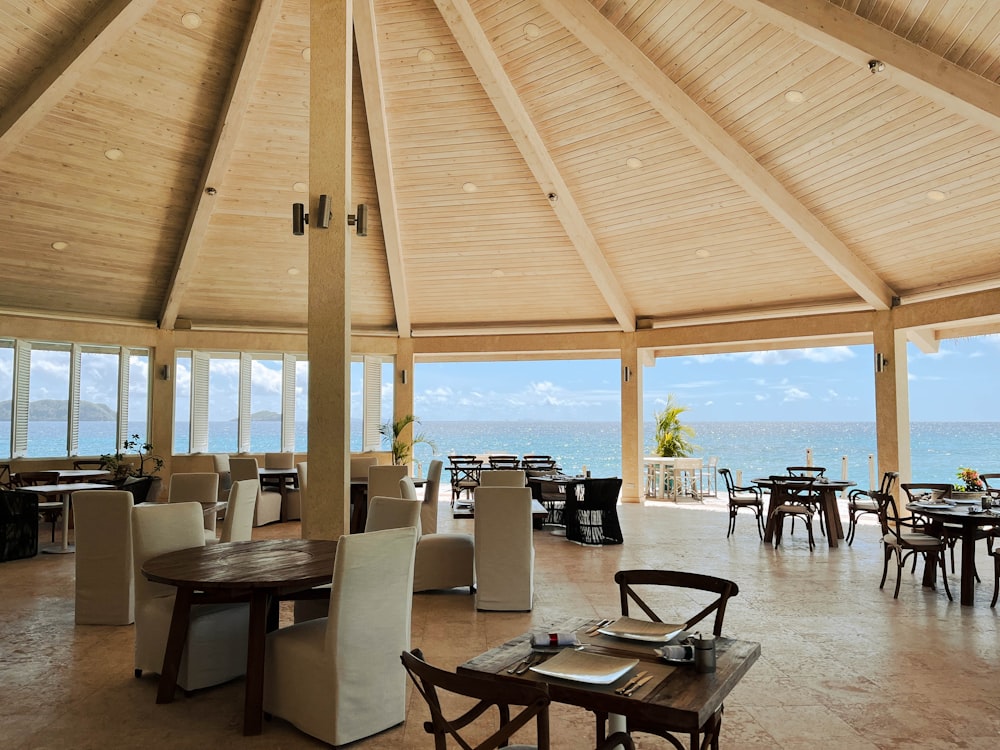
(638, 684)
(632, 681)
(528, 663)
(520, 664)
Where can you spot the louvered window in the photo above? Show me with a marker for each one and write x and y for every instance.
(199, 402)
(372, 395)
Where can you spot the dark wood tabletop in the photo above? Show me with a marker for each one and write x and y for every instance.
(257, 571)
(828, 490)
(677, 697)
(970, 523)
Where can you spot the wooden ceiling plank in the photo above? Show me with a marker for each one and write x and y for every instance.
(366, 39)
(61, 74)
(478, 51)
(234, 107)
(590, 27)
(858, 40)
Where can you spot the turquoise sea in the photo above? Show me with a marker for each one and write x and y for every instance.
(755, 448)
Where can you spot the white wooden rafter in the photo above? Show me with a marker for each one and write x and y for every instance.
(646, 79)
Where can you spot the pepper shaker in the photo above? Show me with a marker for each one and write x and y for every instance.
(704, 653)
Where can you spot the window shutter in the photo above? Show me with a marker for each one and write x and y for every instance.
(73, 434)
(199, 402)
(288, 402)
(372, 411)
(123, 390)
(22, 387)
(244, 423)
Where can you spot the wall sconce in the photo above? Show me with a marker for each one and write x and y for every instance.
(627, 373)
(165, 372)
(881, 362)
(299, 219)
(359, 220)
(402, 377)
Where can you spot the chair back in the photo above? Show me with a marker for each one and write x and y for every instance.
(392, 513)
(888, 482)
(238, 523)
(991, 484)
(243, 467)
(429, 510)
(89, 463)
(723, 589)
(538, 462)
(504, 549)
(373, 575)
(917, 490)
(591, 516)
(360, 464)
(504, 461)
(36, 478)
(465, 473)
(533, 696)
(156, 530)
(383, 481)
(303, 469)
(6, 482)
(407, 489)
(199, 487)
(502, 478)
(221, 463)
(794, 489)
(805, 471)
(104, 572)
(279, 460)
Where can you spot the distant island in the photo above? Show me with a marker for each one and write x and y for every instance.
(56, 410)
(265, 416)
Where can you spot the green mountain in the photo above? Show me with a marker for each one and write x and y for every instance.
(55, 410)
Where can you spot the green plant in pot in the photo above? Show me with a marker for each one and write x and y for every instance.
(672, 437)
(122, 465)
(392, 431)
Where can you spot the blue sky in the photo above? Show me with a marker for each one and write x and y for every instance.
(821, 384)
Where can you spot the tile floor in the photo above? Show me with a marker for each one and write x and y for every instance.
(842, 666)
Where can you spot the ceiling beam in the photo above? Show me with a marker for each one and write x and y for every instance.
(478, 51)
(385, 181)
(56, 79)
(245, 73)
(924, 339)
(667, 98)
(858, 40)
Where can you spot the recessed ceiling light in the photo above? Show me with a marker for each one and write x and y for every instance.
(496, 273)
(59, 245)
(531, 31)
(633, 163)
(293, 271)
(470, 187)
(936, 195)
(794, 97)
(425, 55)
(191, 20)
(702, 253)
(300, 187)
(114, 154)
(307, 54)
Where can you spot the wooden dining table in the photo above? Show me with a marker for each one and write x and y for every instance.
(970, 524)
(830, 513)
(259, 572)
(677, 697)
(64, 492)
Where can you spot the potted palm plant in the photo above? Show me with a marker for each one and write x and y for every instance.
(672, 437)
(392, 432)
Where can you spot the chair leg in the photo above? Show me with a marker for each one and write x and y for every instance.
(996, 578)
(885, 565)
(899, 576)
(852, 524)
(944, 576)
(809, 528)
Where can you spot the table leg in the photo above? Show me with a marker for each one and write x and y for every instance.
(968, 565)
(834, 529)
(176, 638)
(253, 700)
(773, 502)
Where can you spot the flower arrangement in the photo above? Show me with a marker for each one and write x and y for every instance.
(120, 467)
(968, 480)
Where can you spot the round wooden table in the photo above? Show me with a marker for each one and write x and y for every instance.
(256, 571)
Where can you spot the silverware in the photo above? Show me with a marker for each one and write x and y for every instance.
(525, 660)
(637, 685)
(598, 626)
(529, 663)
(632, 680)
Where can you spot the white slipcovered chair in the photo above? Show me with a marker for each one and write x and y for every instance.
(268, 506)
(383, 481)
(392, 513)
(238, 523)
(221, 462)
(279, 460)
(197, 487)
(338, 678)
(504, 550)
(216, 646)
(443, 561)
(502, 478)
(291, 509)
(303, 468)
(360, 464)
(104, 593)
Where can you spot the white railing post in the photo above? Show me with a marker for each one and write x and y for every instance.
(871, 471)
(809, 456)
(739, 477)
(843, 474)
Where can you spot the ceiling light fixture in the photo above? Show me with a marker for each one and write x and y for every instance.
(633, 163)
(794, 97)
(191, 20)
(425, 55)
(496, 273)
(293, 271)
(531, 31)
(470, 187)
(876, 66)
(702, 253)
(307, 54)
(114, 154)
(936, 195)
(299, 187)
(59, 245)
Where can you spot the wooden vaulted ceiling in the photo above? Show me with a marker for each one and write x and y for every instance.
(527, 164)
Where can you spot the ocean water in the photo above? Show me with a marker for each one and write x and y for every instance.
(755, 448)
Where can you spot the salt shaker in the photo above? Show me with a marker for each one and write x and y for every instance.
(704, 653)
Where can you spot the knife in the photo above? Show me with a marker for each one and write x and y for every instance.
(632, 680)
(520, 664)
(637, 685)
(529, 663)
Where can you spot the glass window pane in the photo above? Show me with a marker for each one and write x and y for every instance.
(6, 394)
(98, 402)
(265, 405)
(138, 395)
(301, 406)
(48, 403)
(223, 403)
(182, 402)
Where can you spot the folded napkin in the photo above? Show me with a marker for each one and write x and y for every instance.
(554, 639)
(676, 653)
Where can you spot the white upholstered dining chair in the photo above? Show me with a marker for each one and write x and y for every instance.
(237, 526)
(103, 528)
(197, 487)
(268, 506)
(338, 678)
(504, 549)
(502, 478)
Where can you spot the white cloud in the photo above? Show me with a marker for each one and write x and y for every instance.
(795, 394)
(761, 397)
(824, 355)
